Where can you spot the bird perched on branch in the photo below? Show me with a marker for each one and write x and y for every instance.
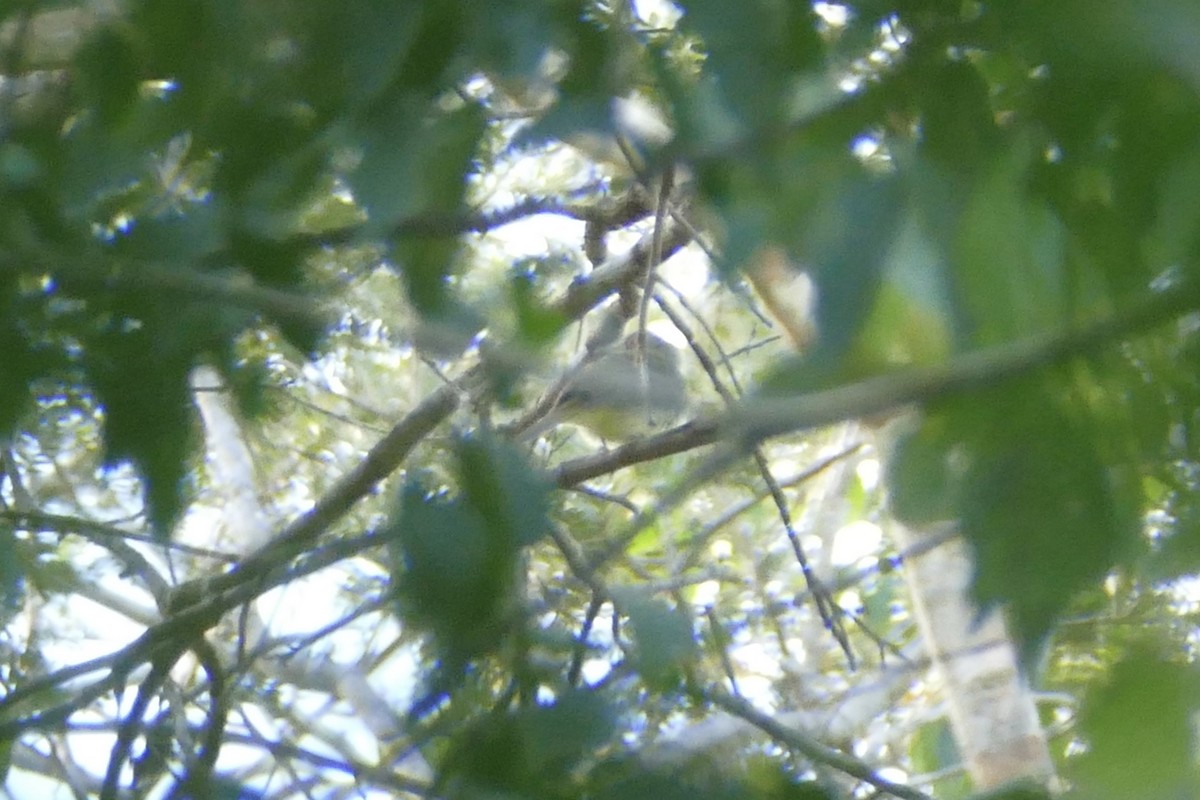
(624, 392)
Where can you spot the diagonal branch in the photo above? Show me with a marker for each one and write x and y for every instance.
(810, 747)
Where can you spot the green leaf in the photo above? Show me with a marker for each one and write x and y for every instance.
(509, 496)
(530, 752)
(1140, 732)
(355, 51)
(138, 363)
(843, 227)
(932, 750)
(453, 579)
(108, 74)
(783, 38)
(958, 128)
(1045, 510)
(147, 416)
(182, 238)
(662, 635)
(5, 757)
(847, 239)
(594, 77)
(1009, 256)
(537, 323)
(23, 360)
(425, 265)
(559, 736)
(200, 44)
(414, 162)
(921, 485)
(457, 557)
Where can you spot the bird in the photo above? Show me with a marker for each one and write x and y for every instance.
(625, 392)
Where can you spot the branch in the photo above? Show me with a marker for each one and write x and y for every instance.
(611, 212)
(689, 436)
(178, 281)
(197, 606)
(760, 418)
(809, 747)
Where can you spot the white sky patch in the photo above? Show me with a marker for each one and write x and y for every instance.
(865, 147)
(868, 471)
(705, 594)
(834, 15)
(860, 539)
(657, 13)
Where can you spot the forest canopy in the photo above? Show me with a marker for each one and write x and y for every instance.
(290, 293)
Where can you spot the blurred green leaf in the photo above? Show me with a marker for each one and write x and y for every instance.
(24, 359)
(958, 128)
(141, 382)
(427, 174)
(1141, 732)
(453, 578)
(110, 74)
(5, 757)
(354, 52)
(594, 76)
(843, 227)
(1043, 510)
(932, 750)
(530, 752)
(457, 557)
(425, 265)
(509, 496)
(537, 323)
(662, 635)
(177, 238)
(922, 487)
(783, 38)
(558, 737)
(1009, 257)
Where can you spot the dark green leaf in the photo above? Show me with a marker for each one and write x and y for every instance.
(20, 313)
(415, 162)
(958, 129)
(846, 240)
(537, 323)
(424, 265)
(143, 390)
(457, 558)
(505, 492)
(843, 228)
(109, 74)
(532, 751)
(453, 579)
(5, 757)
(594, 77)
(189, 237)
(356, 51)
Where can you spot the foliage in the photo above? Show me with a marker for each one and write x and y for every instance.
(992, 199)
